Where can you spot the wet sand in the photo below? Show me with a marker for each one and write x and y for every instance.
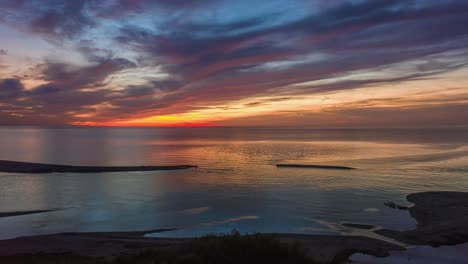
(28, 167)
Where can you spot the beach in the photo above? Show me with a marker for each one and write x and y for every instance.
(104, 193)
(434, 212)
(216, 131)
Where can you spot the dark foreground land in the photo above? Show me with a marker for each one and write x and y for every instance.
(442, 220)
(28, 167)
(133, 247)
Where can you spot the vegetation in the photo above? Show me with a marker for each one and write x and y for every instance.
(231, 248)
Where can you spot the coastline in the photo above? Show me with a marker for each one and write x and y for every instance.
(18, 213)
(30, 167)
(442, 220)
(320, 248)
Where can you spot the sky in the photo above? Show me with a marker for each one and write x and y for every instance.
(323, 63)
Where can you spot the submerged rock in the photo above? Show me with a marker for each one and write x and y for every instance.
(360, 226)
(312, 166)
(396, 206)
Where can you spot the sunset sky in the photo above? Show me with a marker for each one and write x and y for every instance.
(324, 63)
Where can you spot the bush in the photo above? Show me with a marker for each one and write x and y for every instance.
(232, 248)
(212, 249)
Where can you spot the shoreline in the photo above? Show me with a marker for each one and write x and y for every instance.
(9, 166)
(442, 219)
(28, 212)
(320, 248)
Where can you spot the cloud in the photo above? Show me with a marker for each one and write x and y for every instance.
(64, 96)
(73, 77)
(53, 19)
(376, 28)
(3, 52)
(423, 116)
(177, 4)
(210, 57)
(68, 19)
(10, 89)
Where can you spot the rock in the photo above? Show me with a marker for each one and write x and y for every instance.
(442, 219)
(360, 226)
(396, 206)
(312, 166)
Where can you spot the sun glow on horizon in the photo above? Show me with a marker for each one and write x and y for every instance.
(118, 64)
(404, 95)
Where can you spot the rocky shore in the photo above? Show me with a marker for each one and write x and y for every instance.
(442, 219)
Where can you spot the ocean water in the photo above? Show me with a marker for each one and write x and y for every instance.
(236, 186)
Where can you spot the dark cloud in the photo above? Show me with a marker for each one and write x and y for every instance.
(184, 3)
(421, 116)
(45, 89)
(209, 61)
(72, 77)
(137, 91)
(58, 19)
(46, 103)
(266, 101)
(167, 85)
(425, 116)
(10, 89)
(226, 28)
(375, 27)
(63, 97)
(3, 52)
(55, 23)
(51, 18)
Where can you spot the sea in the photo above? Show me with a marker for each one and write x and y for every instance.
(236, 186)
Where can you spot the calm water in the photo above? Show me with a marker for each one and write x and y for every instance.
(236, 185)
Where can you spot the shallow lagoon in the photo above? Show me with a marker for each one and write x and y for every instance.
(237, 185)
